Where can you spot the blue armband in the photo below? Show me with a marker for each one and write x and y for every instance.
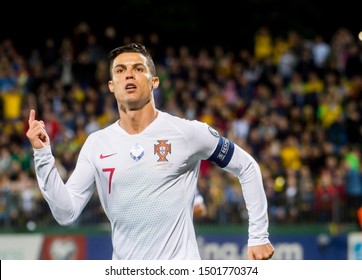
(223, 152)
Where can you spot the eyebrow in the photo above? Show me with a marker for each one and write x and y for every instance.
(124, 65)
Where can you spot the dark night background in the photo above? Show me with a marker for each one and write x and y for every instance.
(195, 23)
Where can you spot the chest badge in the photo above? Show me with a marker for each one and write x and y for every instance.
(162, 149)
(137, 152)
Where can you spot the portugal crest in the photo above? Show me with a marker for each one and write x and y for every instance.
(162, 149)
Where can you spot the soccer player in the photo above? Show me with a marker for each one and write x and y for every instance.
(145, 168)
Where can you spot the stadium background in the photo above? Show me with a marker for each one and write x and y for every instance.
(198, 26)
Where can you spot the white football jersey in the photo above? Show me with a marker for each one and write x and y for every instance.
(147, 183)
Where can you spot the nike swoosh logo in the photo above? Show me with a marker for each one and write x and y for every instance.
(105, 156)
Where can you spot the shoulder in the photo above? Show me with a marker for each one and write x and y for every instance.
(102, 133)
(201, 137)
(180, 122)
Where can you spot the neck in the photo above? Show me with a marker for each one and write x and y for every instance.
(135, 121)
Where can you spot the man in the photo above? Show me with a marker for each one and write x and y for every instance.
(145, 167)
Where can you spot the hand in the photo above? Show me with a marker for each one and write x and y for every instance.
(260, 252)
(36, 133)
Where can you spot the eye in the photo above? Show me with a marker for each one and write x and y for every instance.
(119, 70)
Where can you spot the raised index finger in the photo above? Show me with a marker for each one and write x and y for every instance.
(31, 116)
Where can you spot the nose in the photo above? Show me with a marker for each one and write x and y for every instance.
(129, 74)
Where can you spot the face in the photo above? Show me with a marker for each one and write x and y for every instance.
(132, 82)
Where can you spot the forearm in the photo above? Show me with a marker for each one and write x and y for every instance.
(53, 187)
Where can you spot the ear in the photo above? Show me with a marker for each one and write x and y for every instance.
(110, 86)
(155, 82)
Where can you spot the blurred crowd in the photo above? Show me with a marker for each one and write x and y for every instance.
(294, 103)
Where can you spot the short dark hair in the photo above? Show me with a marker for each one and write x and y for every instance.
(133, 47)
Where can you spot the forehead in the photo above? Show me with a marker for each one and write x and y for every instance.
(129, 59)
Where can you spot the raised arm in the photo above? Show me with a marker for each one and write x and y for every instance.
(65, 199)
